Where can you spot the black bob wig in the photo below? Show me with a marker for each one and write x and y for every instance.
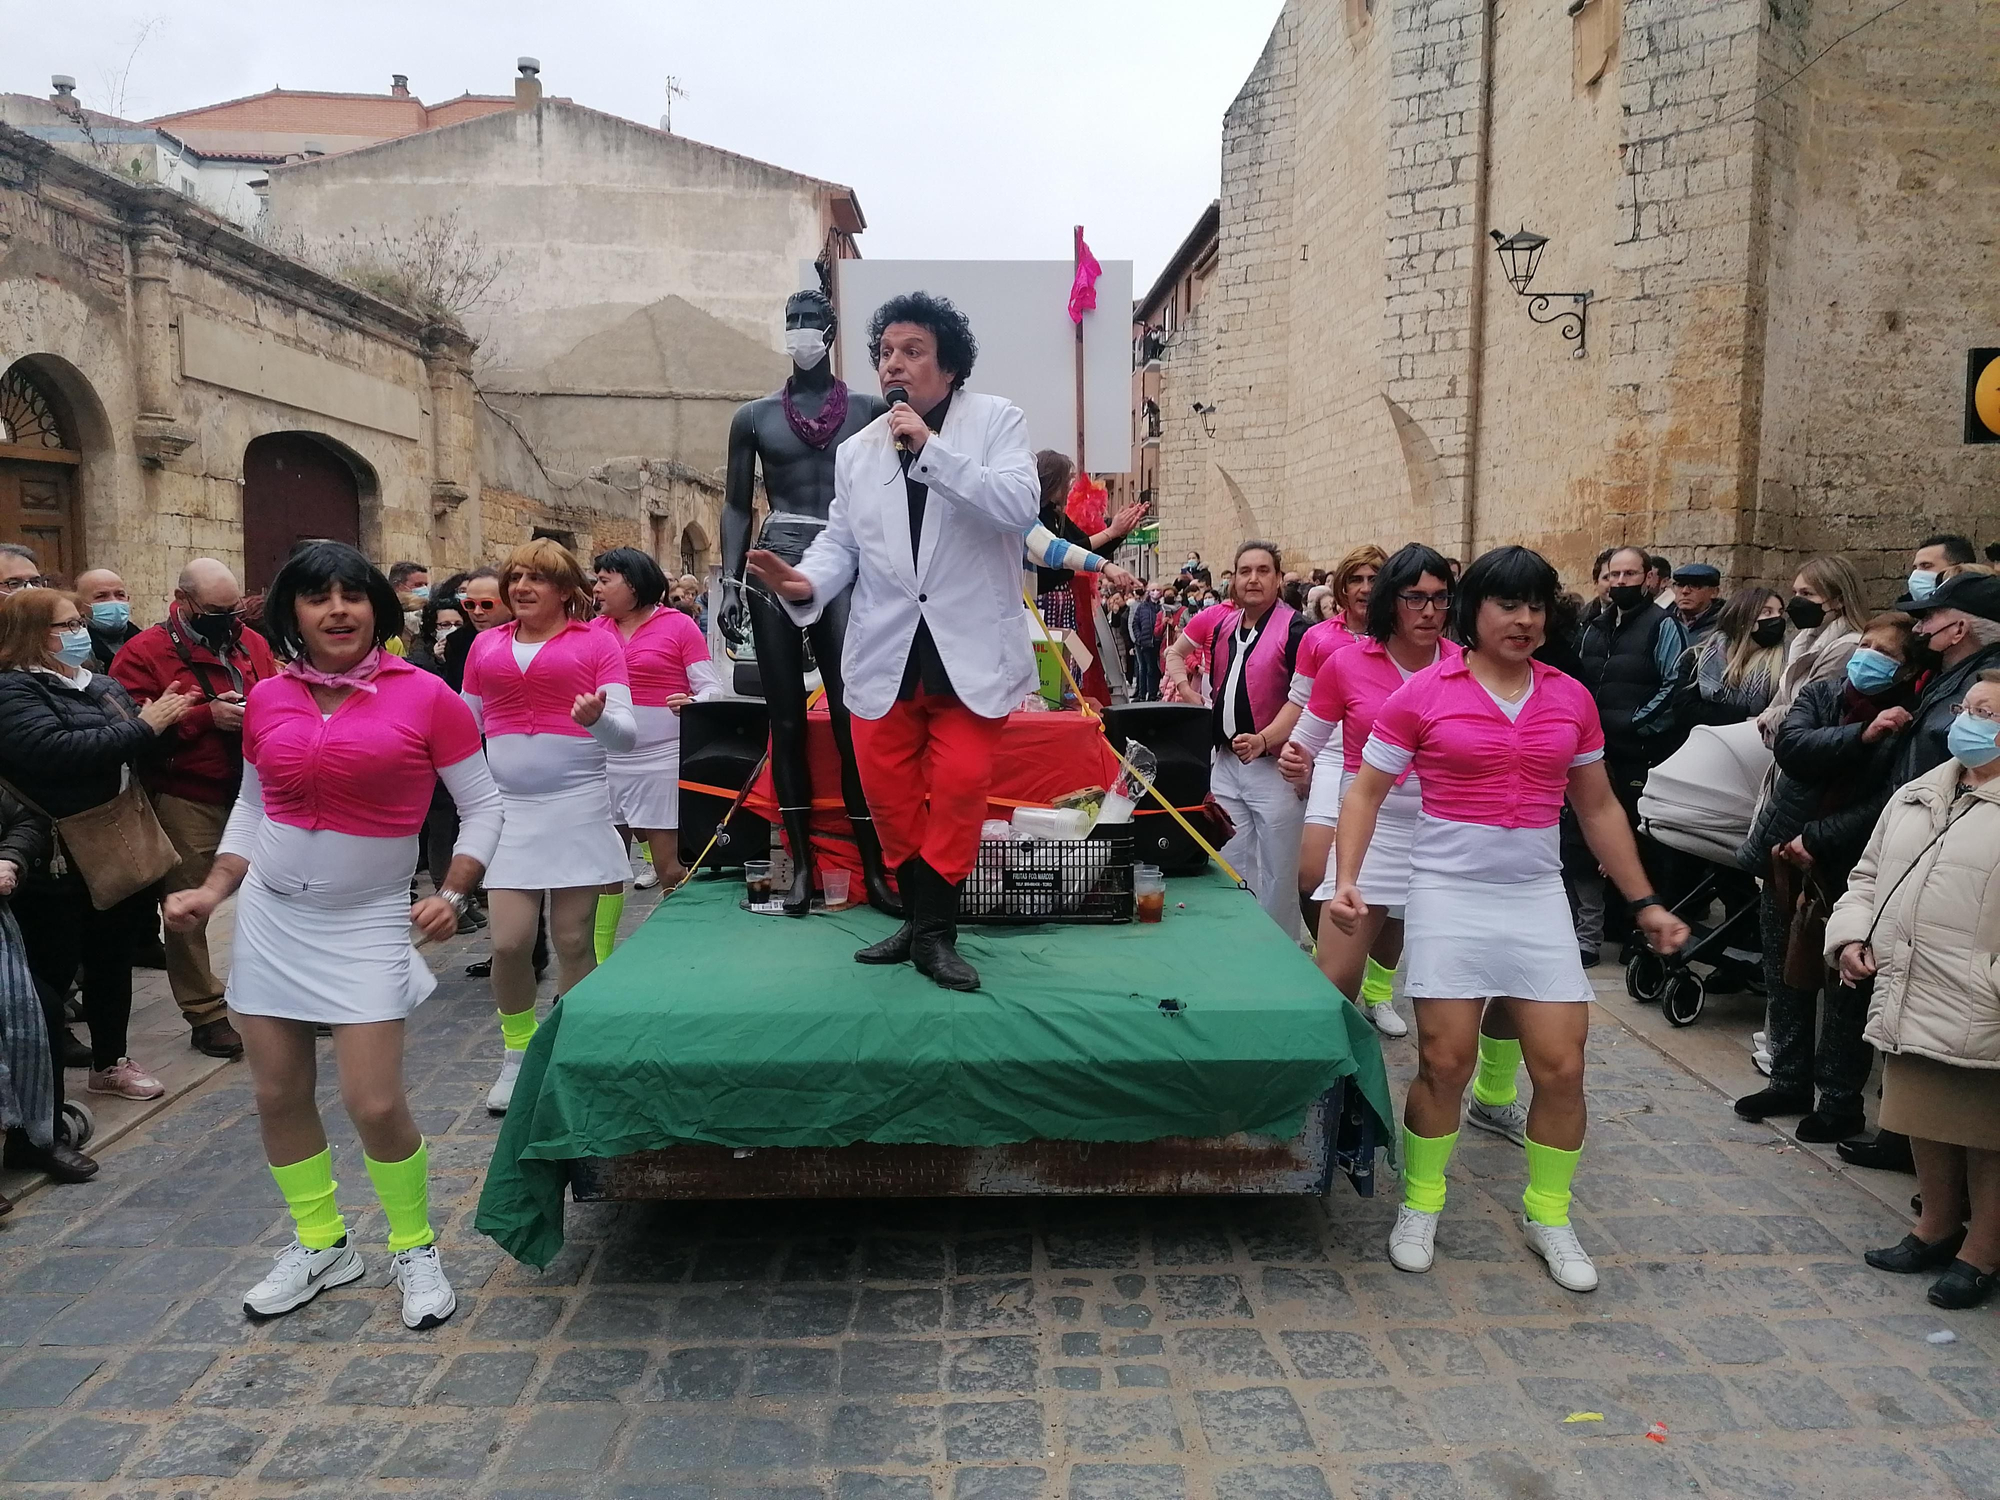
(314, 567)
(1510, 573)
(649, 584)
(1401, 571)
(956, 347)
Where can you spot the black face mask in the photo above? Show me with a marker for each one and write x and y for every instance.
(1805, 613)
(1626, 596)
(1768, 632)
(215, 631)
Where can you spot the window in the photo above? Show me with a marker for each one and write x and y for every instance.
(27, 418)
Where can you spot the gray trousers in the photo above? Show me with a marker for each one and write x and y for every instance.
(1814, 1035)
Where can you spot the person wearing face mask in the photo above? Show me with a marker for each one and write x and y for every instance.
(1937, 558)
(1145, 628)
(72, 738)
(1827, 608)
(108, 613)
(1736, 671)
(1918, 920)
(201, 648)
(1835, 754)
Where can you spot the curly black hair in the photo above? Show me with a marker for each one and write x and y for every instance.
(956, 347)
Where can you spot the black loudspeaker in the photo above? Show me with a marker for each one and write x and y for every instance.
(721, 744)
(1179, 735)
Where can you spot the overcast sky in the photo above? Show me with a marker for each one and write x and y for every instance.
(970, 129)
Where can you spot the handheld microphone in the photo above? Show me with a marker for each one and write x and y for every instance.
(897, 396)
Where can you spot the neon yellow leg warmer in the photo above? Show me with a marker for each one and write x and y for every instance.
(517, 1029)
(1377, 984)
(405, 1190)
(308, 1188)
(1499, 1060)
(609, 910)
(1549, 1175)
(1424, 1160)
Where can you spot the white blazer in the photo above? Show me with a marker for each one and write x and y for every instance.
(966, 582)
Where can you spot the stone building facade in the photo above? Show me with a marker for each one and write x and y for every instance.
(1787, 238)
(169, 388)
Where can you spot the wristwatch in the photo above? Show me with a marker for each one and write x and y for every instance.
(1638, 905)
(456, 900)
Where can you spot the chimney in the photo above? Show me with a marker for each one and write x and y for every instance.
(64, 97)
(311, 149)
(528, 87)
(399, 85)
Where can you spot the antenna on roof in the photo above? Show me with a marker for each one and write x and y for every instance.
(674, 91)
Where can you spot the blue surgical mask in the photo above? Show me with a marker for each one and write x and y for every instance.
(1974, 741)
(1870, 670)
(75, 648)
(110, 614)
(421, 591)
(1922, 585)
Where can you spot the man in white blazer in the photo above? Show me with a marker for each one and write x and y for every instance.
(929, 507)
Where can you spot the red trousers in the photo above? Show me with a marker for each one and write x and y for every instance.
(931, 748)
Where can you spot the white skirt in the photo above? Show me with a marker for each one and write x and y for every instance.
(557, 841)
(1475, 939)
(341, 956)
(646, 782)
(1385, 869)
(1329, 785)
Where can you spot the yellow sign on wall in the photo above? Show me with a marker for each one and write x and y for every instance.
(1982, 396)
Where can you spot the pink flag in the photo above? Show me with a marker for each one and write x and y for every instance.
(1083, 291)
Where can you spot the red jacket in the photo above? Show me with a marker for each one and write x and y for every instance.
(197, 762)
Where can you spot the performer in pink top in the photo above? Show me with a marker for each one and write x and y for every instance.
(1497, 740)
(1404, 630)
(1254, 647)
(553, 696)
(340, 753)
(669, 666)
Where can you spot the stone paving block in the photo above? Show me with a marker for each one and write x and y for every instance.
(713, 1374)
(1006, 1362)
(1410, 1481)
(1826, 1341)
(330, 1450)
(1081, 1345)
(883, 1487)
(1486, 1413)
(1747, 1468)
(1691, 1402)
(1127, 1482)
(1796, 1401)
(67, 1272)
(269, 1379)
(1125, 1315)
(1090, 1249)
(1121, 1425)
(642, 1260)
(1330, 1355)
(1078, 1378)
(1191, 1247)
(880, 1433)
(210, 1320)
(1134, 1345)
(989, 1431)
(1069, 1309)
(1854, 1285)
(107, 1318)
(806, 1314)
(495, 1379)
(905, 1260)
(782, 1371)
(616, 1318)
(1370, 1419)
(871, 1368)
(21, 1316)
(1895, 1397)
(1239, 1352)
(1405, 1298)
(455, 1450)
(1555, 1398)
(1289, 1243)
(1767, 1289)
(1143, 1376)
(1018, 1482)
(1973, 1465)
(995, 1255)
(565, 1442)
(327, 1319)
(820, 1259)
(1473, 1238)
(771, 1443)
(1731, 1341)
(128, 1229)
(1644, 1471)
(1272, 1482)
(675, 1441)
(899, 1311)
(516, 1319)
(150, 1379)
(1797, 1234)
(382, 1380)
(1655, 1234)
(997, 1303)
(1207, 1298)
(1975, 1389)
(1437, 1351)
(82, 1449)
(45, 1380)
(1256, 1423)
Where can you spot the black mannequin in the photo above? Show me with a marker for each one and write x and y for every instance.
(798, 486)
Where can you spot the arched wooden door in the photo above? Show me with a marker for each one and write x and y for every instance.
(295, 489)
(38, 467)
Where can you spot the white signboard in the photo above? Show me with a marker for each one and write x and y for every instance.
(1019, 311)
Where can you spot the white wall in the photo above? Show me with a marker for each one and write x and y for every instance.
(1019, 311)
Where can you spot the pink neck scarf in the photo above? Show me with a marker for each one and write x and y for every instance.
(356, 676)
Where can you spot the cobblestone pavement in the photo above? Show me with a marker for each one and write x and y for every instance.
(994, 1350)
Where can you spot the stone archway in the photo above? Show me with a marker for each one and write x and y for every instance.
(694, 550)
(298, 486)
(41, 458)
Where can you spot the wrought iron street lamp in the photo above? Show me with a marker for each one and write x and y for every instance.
(1521, 254)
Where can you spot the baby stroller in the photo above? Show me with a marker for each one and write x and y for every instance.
(1700, 801)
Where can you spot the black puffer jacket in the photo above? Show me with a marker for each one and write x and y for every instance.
(24, 836)
(64, 747)
(1831, 784)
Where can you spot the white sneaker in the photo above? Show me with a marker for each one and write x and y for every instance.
(1510, 1120)
(301, 1275)
(427, 1297)
(502, 1093)
(1384, 1019)
(1571, 1268)
(645, 879)
(1410, 1241)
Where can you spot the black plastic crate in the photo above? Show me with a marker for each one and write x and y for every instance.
(1051, 880)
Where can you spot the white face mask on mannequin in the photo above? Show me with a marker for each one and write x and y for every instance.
(807, 346)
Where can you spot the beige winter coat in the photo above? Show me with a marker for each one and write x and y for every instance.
(1816, 655)
(1932, 905)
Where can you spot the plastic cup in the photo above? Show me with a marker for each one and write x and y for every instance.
(835, 884)
(1149, 893)
(757, 878)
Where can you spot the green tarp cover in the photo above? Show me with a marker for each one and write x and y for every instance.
(712, 1025)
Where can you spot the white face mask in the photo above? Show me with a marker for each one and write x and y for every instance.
(807, 346)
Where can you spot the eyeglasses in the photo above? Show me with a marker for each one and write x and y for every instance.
(1978, 713)
(1419, 601)
(15, 585)
(479, 604)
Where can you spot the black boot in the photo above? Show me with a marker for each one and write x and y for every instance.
(895, 948)
(874, 878)
(934, 950)
(798, 838)
(1888, 1152)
